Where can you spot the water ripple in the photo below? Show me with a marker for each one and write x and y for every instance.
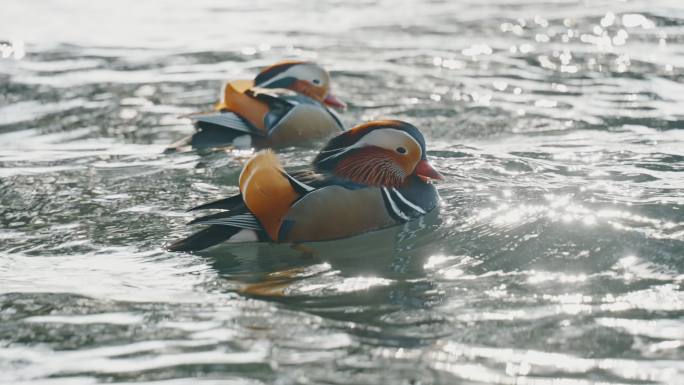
(555, 257)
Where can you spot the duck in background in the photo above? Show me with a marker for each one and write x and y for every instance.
(373, 176)
(285, 105)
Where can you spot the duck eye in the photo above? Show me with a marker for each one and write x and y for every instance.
(401, 150)
(316, 81)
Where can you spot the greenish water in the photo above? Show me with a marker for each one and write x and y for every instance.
(557, 256)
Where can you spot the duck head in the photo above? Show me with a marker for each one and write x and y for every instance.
(306, 78)
(381, 153)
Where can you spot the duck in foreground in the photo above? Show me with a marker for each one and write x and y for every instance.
(284, 105)
(373, 176)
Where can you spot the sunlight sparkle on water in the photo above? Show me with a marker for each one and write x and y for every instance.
(555, 257)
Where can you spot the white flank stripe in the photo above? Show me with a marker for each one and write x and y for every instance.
(408, 202)
(393, 204)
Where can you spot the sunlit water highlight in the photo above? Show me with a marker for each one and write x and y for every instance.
(556, 257)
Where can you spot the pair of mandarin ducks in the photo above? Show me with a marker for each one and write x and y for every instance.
(369, 177)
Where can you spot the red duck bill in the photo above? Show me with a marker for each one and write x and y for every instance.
(426, 171)
(333, 101)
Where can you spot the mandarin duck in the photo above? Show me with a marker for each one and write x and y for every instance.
(372, 176)
(284, 105)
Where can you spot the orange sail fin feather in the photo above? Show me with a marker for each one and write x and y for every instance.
(266, 191)
(251, 109)
(230, 88)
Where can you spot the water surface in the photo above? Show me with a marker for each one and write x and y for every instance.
(556, 258)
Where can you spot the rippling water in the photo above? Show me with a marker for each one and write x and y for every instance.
(557, 257)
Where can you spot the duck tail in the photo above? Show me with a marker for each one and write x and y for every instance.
(203, 239)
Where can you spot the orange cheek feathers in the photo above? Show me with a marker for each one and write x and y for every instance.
(372, 166)
(409, 161)
(308, 89)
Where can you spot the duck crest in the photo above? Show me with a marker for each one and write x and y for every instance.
(354, 134)
(269, 73)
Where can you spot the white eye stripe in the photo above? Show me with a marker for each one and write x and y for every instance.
(304, 71)
(281, 75)
(374, 138)
(387, 138)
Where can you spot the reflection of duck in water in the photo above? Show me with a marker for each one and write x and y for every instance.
(373, 176)
(284, 105)
(394, 255)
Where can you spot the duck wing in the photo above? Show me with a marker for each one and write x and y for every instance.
(259, 212)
